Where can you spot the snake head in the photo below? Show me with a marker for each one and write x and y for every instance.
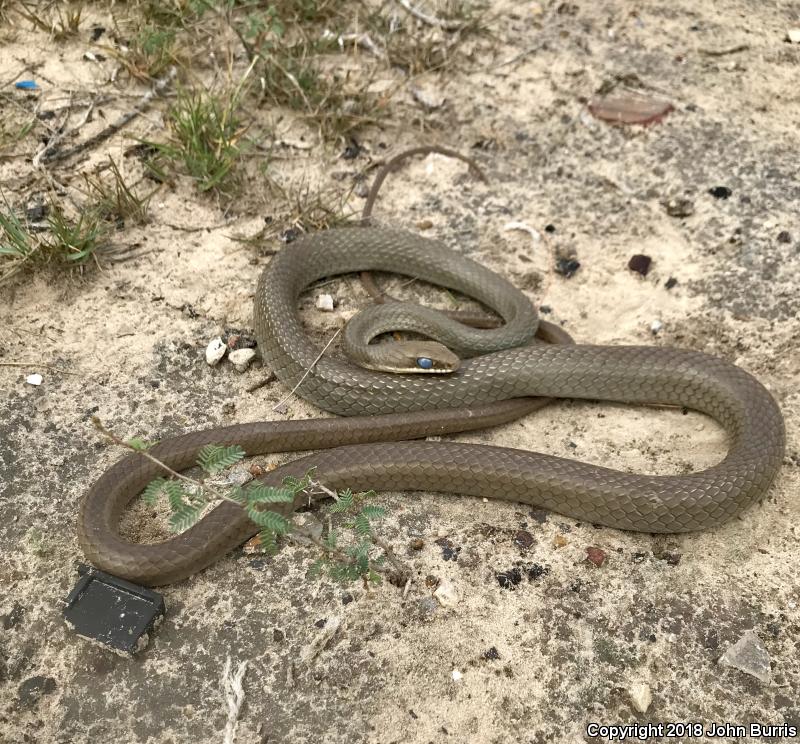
(417, 357)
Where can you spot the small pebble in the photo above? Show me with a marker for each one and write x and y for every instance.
(523, 227)
(536, 571)
(720, 192)
(784, 237)
(679, 207)
(424, 224)
(509, 579)
(34, 379)
(567, 266)
(429, 98)
(491, 655)
(656, 326)
(671, 282)
(670, 557)
(641, 697)
(241, 358)
(325, 303)
(596, 556)
(793, 35)
(750, 656)
(417, 543)
(215, 351)
(446, 594)
(640, 264)
(523, 539)
(457, 675)
(559, 541)
(352, 151)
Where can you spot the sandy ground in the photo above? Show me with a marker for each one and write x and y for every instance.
(571, 641)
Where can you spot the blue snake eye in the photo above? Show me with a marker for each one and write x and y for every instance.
(424, 363)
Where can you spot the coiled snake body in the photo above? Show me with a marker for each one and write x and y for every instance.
(485, 390)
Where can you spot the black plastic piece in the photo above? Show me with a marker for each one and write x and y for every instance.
(115, 612)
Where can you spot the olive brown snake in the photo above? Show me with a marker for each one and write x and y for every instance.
(367, 450)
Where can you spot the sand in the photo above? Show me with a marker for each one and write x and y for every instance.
(571, 643)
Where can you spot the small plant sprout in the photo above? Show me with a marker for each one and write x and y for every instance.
(360, 555)
(206, 135)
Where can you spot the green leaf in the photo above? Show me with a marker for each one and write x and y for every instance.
(373, 512)
(344, 502)
(316, 568)
(184, 518)
(360, 551)
(175, 495)
(214, 457)
(331, 539)
(261, 494)
(139, 444)
(269, 519)
(375, 578)
(361, 524)
(153, 491)
(344, 572)
(268, 541)
(239, 495)
(299, 484)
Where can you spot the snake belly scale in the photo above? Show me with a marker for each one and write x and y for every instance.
(486, 390)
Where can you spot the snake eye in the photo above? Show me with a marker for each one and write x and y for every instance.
(424, 363)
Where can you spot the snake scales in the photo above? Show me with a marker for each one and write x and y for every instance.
(384, 408)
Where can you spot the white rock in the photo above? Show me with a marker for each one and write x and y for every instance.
(215, 351)
(241, 358)
(749, 656)
(446, 594)
(429, 98)
(793, 35)
(325, 303)
(533, 232)
(656, 326)
(640, 696)
(457, 675)
(34, 379)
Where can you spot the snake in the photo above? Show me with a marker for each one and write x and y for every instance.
(387, 435)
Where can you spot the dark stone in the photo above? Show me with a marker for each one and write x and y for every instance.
(523, 539)
(720, 192)
(509, 579)
(567, 266)
(491, 655)
(352, 151)
(784, 237)
(549, 228)
(536, 571)
(449, 551)
(640, 264)
(671, 282)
